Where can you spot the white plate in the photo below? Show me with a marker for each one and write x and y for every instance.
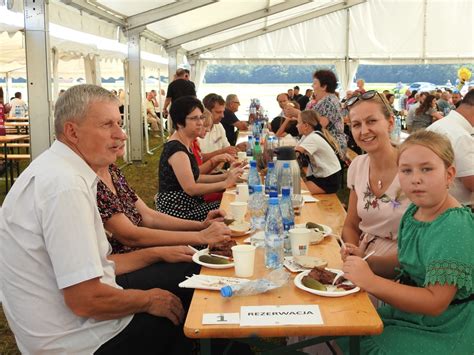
(209, 282)
(300, 276)
(210, 266)
(290, 263)
(235, 233)
(327, 229)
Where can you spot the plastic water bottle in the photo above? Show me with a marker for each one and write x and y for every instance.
(286, 179)
(257, 207)
(254, 177)
(274, 279)
(397, 129)
(257, 152)
(273, 236)
(288, 218)
(271, 180)
(249, 146)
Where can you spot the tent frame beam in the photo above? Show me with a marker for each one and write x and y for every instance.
(232, 23)
(164, 12)
(293, 21)
(97, 10)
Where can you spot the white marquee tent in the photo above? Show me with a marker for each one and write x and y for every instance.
(345, 33)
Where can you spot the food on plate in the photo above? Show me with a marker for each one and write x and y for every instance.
(326, 277)
(312, 225)
(222, 248)
(310, 261)
(312, 283)
(209, 259)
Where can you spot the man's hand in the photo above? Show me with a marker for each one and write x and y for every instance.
(164, 304)
(215, 233)
(176, 254)
(231, 150)
(214, 216)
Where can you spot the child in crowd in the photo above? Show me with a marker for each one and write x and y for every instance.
(324, 171)
(430, 309)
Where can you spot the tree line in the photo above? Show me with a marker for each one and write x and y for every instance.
(253, 74)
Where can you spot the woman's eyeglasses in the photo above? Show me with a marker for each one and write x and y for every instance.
(196, 118)
(367, 96)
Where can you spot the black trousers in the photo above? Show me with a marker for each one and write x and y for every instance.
(147, 334)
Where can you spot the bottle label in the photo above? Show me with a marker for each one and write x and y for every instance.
(288, 225)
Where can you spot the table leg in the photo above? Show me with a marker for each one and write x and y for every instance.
(354, 345)
(6, 166)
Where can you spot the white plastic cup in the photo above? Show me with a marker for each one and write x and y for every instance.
(238, 210)
(241, 156)
(299, 240)
(244, 259)
(242, 192)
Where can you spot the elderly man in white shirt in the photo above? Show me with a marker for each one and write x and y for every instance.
(458, 127)
(58, 280)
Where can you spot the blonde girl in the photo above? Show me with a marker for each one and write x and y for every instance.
(430, 310)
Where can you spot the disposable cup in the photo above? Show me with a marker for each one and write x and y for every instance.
(299, 240)
(238, 210)
(242, 192)
(244, 259)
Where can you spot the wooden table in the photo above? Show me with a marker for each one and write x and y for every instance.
(18, 119)
(20, 126)
(352, 315)
(9, 138)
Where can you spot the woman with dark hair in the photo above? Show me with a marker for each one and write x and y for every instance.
(411, 99)
(327, 106)
(426, 114)
(181, 186)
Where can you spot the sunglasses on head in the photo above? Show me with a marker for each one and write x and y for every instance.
(367, 96)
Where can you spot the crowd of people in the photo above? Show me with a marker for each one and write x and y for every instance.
(83, 251)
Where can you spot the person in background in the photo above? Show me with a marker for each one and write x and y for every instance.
(303, 101)
(426, 114)
(391, 100)
(151, 116)
(458, 127)
(360, 87)
(404, 99)
(328, 107)
(324, 171)
(19, 108)
(230, 122)
(60, 293)
(296, 94)
(282, 126)
(419, 98)
(429, 309)
(376, 201)
(121, 97)
(444, 103)
(411, 99)
(180, 86)
(456, 98)
(181, 186)
(290, 94)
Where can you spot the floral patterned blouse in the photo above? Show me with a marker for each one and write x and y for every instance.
(379, 216)
(122, 202)
(330, 107)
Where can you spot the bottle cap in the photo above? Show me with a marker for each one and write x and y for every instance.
(271, 164)
(253, 163)
(257, 139)
(226, 291)
(273, 194)
(285, 191)
(273, 201)
(286, 165)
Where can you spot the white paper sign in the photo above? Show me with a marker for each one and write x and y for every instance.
(280, 315)
(220, 318)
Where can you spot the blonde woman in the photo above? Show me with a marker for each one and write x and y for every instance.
(324, 170)
(376, 202)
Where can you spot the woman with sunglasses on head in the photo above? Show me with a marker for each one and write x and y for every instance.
(376, 201)
(324, 170)
(181, 186)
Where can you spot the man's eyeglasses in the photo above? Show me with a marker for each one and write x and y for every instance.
(236, 102)
(195, 118)
(367, 96)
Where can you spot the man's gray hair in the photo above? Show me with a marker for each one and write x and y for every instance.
(230, 98)
(74, 104)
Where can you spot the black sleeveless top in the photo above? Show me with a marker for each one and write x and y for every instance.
(167, 178)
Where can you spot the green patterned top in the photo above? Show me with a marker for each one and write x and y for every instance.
(441, 251)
